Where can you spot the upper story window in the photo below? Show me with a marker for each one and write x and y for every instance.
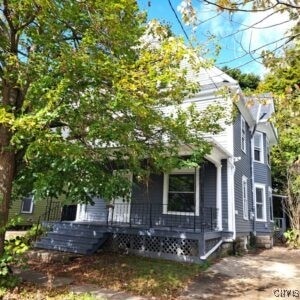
(258, 147)
(27, 205)
(243, 134)
(181, 192)
(260, 202)
(245, 198)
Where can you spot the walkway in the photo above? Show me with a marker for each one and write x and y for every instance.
(271, 274)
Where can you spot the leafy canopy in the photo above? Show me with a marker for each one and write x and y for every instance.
(284, 82)
(85, 86)
(247, 81)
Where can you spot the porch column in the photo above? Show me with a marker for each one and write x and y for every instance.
(219, 196)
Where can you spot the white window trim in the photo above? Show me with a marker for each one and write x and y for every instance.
(268, 152)
(262, 148)
(263, 187)
(245, 198)
(243, 144)
(31, 206)
(166, 191)
(271, 203)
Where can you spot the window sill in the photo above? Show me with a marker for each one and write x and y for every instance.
(179, 213)
(258, 161)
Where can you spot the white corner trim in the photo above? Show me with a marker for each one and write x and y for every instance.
(230, 195)
(245, 209)
(219, 197)
(81, 212)
(212, 250)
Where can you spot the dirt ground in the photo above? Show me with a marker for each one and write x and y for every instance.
(269, 274)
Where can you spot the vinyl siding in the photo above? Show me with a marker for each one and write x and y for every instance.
(27, 218)
(96, 212)
(153, 193)
(242, 168)
(262, 175)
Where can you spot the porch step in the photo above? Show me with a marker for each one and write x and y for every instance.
(73, 237)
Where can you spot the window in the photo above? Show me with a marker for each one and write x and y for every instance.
(258, 147)
(181, 192)
(270, 203)
(27, 205)
(243, 134)
(268, 152)
(260, 200)
(245, 197)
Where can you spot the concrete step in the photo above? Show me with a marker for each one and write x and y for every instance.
(70, 238)
(78, 233)
(75, 226)
(69, 243)
(64, 248)
(82, 238)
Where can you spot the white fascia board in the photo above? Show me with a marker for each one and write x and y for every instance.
(269, 129)
(242, 106)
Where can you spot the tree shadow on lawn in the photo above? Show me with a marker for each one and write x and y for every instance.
(138, 275)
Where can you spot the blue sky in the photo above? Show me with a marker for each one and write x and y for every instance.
(232, 32)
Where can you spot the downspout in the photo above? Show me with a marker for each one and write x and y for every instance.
(212, 250)
(252, 181)
(230, 176)
(252, 169)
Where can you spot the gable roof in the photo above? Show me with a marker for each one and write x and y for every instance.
(261, 107)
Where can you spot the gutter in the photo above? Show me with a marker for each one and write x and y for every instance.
(252, 168)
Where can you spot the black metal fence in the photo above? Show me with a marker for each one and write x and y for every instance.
(52, 213)
(151, 215)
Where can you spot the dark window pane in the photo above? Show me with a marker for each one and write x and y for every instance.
(26, 205)
(182, 182)
(259, 195)
(259, 211)
(257, 154)
(181, 202)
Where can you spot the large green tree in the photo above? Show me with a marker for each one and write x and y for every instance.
(283, 80)
(247, 81)
(84, 90)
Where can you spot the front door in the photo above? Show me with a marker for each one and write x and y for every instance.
(69, 213)
(120, 211)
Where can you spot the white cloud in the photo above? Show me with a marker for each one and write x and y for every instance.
(245, 32)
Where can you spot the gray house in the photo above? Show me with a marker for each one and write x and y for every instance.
(188, 214)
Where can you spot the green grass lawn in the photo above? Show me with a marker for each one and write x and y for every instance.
(137, 275)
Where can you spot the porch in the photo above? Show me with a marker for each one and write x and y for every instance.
(156, 216)
(145, 216)
(139, 228)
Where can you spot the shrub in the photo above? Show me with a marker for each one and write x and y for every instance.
(292, 238)
(13, 250)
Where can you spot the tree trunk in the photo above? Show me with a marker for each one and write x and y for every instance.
(7, 170)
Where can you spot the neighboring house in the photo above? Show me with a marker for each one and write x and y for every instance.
(189, 213)
(281, 220)
(29, 211)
